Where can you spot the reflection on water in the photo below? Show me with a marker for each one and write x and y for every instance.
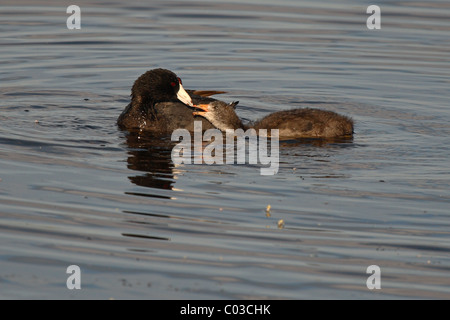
(153, 157)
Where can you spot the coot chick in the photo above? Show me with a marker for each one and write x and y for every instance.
(292, 124)
(159, 104)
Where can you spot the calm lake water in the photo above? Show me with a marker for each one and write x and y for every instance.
(75, 190)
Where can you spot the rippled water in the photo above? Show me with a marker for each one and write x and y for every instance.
(76, 190)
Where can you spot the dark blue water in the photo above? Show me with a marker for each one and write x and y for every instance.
(76, 190)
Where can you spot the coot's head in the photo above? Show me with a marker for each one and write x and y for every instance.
(220, 114)
(159, 85)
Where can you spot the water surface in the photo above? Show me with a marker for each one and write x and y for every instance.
(76, 190)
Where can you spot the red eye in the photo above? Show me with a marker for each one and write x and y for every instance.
(173, 84)
(179, 80)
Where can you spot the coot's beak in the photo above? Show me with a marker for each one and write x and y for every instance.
(184, 97)
(203, 107)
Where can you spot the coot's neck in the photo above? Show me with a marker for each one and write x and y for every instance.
(226, 120)
(144, 104)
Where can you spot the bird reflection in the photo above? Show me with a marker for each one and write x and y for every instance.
(341, 142)
(152, 156)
